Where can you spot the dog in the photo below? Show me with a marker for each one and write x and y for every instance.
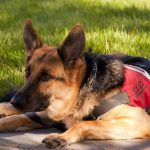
(95, 97)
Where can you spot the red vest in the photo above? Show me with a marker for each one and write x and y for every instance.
(137, 86)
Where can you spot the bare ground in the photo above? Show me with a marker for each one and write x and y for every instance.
(31, 140)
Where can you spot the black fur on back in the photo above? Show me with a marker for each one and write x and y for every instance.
(131, 60)
(110, 68)
(110, 73)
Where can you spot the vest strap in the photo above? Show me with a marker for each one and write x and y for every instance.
(110, 103)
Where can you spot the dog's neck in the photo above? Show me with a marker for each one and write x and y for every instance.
(100, 77)
(88, 86)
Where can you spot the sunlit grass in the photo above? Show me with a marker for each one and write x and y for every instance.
(110, 25)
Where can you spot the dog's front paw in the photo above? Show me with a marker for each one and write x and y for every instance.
(54, 142)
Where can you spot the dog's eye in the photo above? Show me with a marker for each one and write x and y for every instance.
(27, 72)
(46, 77)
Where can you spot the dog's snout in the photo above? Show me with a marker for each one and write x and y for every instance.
(16, 101)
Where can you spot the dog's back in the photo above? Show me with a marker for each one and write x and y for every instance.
(131, 60)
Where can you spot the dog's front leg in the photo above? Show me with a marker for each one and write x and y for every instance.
(84, 130)
(6, 109)
(126, 125)
(14, 122)
(94, 130)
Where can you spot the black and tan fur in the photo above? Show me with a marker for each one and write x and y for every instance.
(57, 88)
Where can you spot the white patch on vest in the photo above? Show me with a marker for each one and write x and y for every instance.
(139, 70)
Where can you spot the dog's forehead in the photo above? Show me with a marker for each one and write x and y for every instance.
(44, 51)
(47, 58)
(45, 54)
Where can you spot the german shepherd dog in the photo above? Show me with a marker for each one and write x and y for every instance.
(66, 85)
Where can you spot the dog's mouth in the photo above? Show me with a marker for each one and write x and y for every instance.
(42, 107)
(35, 103)
(36, 106)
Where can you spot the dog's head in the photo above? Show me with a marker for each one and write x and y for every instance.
(53, 74)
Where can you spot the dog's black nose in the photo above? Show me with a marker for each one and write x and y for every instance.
(16, 101)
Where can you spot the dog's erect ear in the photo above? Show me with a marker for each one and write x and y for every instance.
(31, 40)
(73, 45)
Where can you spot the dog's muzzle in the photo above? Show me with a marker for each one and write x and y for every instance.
(17, 101)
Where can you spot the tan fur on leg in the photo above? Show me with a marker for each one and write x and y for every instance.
(124, 123)
(14, 122)
(6, 109)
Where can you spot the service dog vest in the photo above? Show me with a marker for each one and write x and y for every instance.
(137, 86)
(135, 91)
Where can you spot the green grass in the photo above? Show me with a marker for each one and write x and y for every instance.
(110, 25)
